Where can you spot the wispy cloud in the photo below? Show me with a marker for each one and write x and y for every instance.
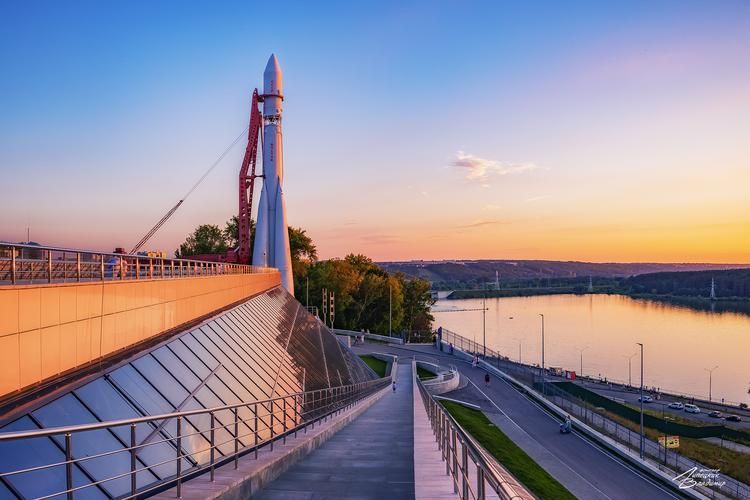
(537, 198)
(480, 169)
(490, 206)
(480, 223)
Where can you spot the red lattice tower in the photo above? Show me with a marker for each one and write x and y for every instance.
(247, 180)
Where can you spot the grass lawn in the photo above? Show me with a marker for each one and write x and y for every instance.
(513, 458)
(732, 463)
(424, 374)
(377, 365)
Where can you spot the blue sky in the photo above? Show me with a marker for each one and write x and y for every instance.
(589, 130)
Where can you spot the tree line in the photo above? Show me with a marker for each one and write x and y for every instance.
(366, 296)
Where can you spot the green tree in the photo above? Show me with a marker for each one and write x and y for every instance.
(206, 239)
(417, 303)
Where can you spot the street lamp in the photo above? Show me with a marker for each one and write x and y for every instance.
(710, 376)
(543, 377)
(581, 350)
(630, 358)
(484, 322)
(642, 440)
(390, 310)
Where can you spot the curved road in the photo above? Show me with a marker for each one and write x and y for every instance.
(583, 467)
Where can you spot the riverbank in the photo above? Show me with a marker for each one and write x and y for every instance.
(731, 304)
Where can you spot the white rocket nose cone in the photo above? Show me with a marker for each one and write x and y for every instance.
(272, 82)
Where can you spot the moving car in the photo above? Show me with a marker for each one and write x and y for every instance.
(715, 414)
(647, 399)
(692, 408)
(676, 405)
(732, 418)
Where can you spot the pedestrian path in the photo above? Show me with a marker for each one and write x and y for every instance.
(373, 457)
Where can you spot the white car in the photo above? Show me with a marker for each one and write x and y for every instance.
(676, 405)
(647, 399)
(692, 408)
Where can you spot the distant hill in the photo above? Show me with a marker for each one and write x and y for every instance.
(728, 284)
(471, 273)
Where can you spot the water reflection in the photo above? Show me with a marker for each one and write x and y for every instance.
(679, 341)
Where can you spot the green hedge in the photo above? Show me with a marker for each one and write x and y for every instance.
(692, 431)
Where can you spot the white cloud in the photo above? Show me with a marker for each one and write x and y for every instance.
(480, 169)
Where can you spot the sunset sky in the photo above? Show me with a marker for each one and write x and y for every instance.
(600, 131)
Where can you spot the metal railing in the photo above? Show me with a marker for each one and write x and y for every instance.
(28, 264)
(667, 460)
(471, 468)
(246, 427)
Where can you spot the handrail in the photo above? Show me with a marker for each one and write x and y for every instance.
(271, 420)
(450, 436)
(57, 264)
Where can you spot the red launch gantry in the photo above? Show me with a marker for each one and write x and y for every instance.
(246, 181)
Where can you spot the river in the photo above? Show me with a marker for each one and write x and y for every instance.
(680, 344)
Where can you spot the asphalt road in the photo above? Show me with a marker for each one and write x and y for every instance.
(700, 418)
(573, 460)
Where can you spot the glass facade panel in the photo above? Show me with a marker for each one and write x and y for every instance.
(177, 368)
(68, 410)
(35, 452)
(108, 404)
(166, 384)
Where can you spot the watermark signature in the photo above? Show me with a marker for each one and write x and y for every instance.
(699, 477)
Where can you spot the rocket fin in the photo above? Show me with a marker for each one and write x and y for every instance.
(283, 255)
(260, 245)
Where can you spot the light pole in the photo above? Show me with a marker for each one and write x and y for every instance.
(484, 322)
(543, 377)
(390, 310)
(581, 350)
(710, 376)
(630, 358)
(641, 346)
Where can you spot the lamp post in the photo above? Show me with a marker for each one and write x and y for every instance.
(630, 358)
(710, 376)
(484, 322)
(642, 442)
(390, 310)
(543, 377)
(581, 351)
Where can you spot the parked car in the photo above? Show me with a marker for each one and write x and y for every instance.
(692, 408)
(715, 414)
(647, 399)
(733, 418)
(676, 405)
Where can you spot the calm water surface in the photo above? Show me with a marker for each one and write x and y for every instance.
(680, 343)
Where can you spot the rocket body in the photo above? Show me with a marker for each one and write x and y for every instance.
(271, 246)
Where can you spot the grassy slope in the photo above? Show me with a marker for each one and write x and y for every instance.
(730, 462)
(523, 467)
(377, 365)
(424, 374)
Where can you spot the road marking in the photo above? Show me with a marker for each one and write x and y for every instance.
(540, 444)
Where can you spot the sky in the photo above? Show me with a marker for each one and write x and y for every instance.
(595, 131)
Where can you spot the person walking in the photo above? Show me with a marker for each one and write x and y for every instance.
(394, 386)
(487, 379)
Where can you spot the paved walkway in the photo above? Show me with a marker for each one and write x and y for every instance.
(373, 457)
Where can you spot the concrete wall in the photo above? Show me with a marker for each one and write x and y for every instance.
(49, 329)
(445, 380)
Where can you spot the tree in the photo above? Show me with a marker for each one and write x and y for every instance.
(206, 239)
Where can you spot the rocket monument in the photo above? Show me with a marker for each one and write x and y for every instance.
(271, 247)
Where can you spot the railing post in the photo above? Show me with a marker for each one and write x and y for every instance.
(78, 266)
(465, 467)
(122, 269)
(213, 444)
(236, 439)
(480, 482)
(284, 420)
(161, 263)
(137, 268)
(150, 268)
(455, 461)
(171, 268)
(255, 428)
(133, 444)
(179, 457)
(49, 266)
(69, 465)
(13, 265)
(270, 410)
(101, 267)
